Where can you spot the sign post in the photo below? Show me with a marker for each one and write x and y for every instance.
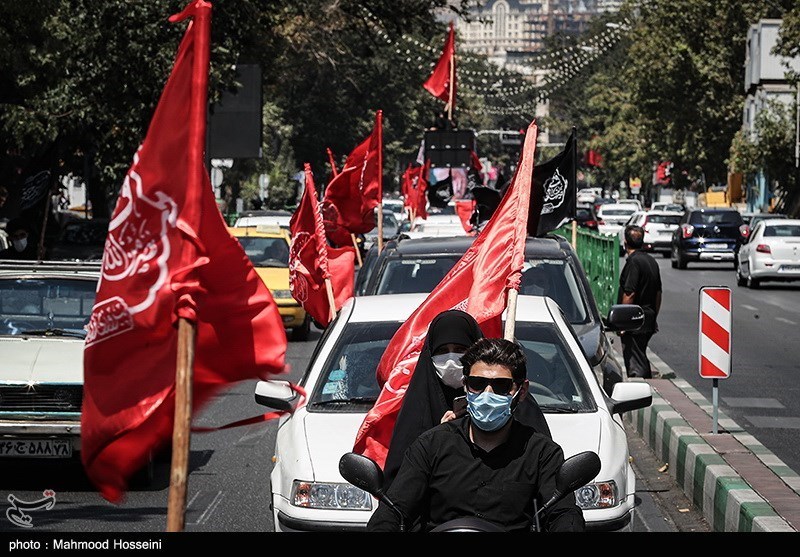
(714, 357)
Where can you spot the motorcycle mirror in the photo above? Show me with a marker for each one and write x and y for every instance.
(577, 471)
(362, 472)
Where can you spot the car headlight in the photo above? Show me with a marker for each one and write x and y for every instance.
(598, 495)
(339, 496)
(281, 293)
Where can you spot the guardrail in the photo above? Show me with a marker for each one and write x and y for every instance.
(599, 256)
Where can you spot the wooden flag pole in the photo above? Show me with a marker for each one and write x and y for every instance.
(511, 314)
(358, 252)
(380, 180)
(452, 83)
(574, 235)
(331, 298)
(176, 504)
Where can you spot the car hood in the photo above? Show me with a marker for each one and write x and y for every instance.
(41, 360)
(326, 449)
(276, 278)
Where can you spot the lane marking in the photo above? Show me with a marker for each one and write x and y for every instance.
(784, 320)
(751, 308)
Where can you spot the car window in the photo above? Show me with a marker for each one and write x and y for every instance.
(404, 276)
(782, 230)
(41, 304)
(556, 279)
(664, 219)
(266, 252)
(556, 380)
(720, 217)
(348, 377)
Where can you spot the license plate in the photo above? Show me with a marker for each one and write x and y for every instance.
(790, 267)
(35, 448)
(716, 246)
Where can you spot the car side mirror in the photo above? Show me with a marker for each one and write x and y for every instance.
(625, 317)
(276, 394)
(630, 395)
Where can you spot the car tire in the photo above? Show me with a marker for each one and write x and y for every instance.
(301, 333)
(753, 283)
(666, 254)
(680, 262)
(740, 280)
(674, 258)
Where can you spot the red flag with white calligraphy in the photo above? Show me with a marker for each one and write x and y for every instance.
(442, 81)
(311, 260)
(169, 255)
(478, 284)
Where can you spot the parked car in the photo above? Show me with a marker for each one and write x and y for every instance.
(309, 494)
(586, 217)
(707, 234)
(267, 247)
(613, 216)
(667, 206)
(80, 240)
(418, 265)
(658, 228)
(771, 253)
(267, 217)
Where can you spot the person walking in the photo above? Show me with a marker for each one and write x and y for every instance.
(639, 283)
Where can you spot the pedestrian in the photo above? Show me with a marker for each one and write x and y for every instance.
(437, 381)
(22, 244)
(639, 283)
(486, 463)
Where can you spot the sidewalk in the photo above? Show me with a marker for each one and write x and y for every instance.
(737, 483)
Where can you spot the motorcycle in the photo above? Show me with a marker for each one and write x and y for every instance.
(364, 473)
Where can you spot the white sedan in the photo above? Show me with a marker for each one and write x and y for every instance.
(309, 494)
(772, 252)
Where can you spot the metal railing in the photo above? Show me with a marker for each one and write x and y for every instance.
(599, 256)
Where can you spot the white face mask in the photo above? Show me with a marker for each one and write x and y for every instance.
(20, 244)
(449, 369)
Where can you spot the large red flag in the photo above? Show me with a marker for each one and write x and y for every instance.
(442, 81)
(311, 261)
(352, 195)
(464, 209)
(478, 284)
(168, 255)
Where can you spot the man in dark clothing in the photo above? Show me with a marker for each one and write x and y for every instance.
(23, 245)
(485, 464)
(639, 283)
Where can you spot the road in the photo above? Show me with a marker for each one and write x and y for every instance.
(762, 394)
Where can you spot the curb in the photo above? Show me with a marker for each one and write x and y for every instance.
(727, 501)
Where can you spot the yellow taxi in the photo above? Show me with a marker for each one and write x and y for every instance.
(267, 246)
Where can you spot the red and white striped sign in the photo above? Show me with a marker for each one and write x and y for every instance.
(715, 332)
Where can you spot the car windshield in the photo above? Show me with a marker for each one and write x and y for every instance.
(556, 279)
(782, 230)
(405, 276)
(617, 212)
(664, 219)
(721, 217)
(266, 252)
(348, 382)
(46, 306)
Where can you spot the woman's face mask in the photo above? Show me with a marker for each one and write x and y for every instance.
(20, 244)
(449, 369)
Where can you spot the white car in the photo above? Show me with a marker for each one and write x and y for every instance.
(658, 228)
(772, 252)
(613, 216)
(44, 307)
(309, 494)
(266, 217)
(635, 202)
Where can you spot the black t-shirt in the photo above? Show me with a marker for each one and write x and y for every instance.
(641, 277)
(445, 476)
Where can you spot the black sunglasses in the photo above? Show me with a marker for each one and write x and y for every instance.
(500, 385)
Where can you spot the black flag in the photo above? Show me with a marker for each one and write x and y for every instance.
(440, 193)
(554, 190)
(486, 201)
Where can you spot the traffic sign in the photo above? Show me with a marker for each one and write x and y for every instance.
(715, 332)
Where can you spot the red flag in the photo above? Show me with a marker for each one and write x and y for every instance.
(168, 255)
(334, 170)
(407, 190)
(311, 261)
(422, 191)
(478, 284)
(475, 162)
(351, 197)
(439, 83)
(465, 208)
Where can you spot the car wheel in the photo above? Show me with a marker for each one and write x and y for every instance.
(674, 258)
(740, 280)
(665, 254)
(301, 333)
(680, 261)
(753, 282)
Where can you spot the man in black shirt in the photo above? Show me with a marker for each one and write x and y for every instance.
(639, 283)
(484, 464)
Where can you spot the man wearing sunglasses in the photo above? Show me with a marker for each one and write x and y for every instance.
(485, 464)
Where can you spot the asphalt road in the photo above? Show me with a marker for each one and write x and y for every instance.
(762, 394)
